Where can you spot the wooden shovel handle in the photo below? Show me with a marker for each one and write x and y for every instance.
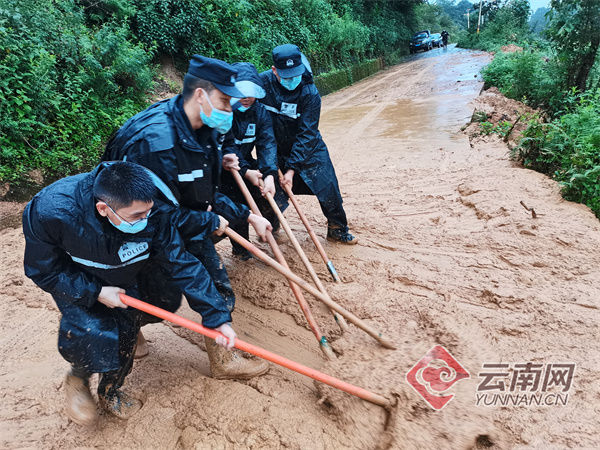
(311, 233)
(321, 339)
(311, 270)
(286, 272)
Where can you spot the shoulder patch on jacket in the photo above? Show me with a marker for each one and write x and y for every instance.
(159, 136)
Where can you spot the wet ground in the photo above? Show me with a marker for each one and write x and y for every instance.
(447, 256)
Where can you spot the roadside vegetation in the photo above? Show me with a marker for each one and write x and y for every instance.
(72, 71)
(553, 66)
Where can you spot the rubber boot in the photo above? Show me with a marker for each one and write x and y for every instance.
(241, 253)
(141, 347)
(280, 236)
(120, 404)
(227, 365)
(341, 235)
(80, 405)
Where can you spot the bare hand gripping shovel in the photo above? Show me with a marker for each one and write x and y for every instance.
(260, 352)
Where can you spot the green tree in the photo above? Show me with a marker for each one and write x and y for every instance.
(457, 12)
(574, 30)
(502, 23)
(433, 18)
(64, 87)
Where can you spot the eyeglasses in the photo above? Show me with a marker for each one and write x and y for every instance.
(150, 213)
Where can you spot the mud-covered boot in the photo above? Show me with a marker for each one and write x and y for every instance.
(141, 347)
(341, 234)
(80, 405)
(280, 236)
(227, 365)
(119, 404)
(241, 253)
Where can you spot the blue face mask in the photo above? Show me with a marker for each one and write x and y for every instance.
(129, 227)
(219, 120)
(237, 105)
(291, 83)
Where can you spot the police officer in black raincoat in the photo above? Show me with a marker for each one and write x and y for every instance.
(90, 237)
(295, 106)
(252, 129)
(445, 37)
(180, 140)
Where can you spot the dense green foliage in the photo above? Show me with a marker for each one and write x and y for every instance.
(332, 33)
(457, 12)
(248, 30)
(559, 75)
(434, 18)
(72, 71)
(503, 23)
(574, 31)
(63, 87)
(531, 76)
(568, 148)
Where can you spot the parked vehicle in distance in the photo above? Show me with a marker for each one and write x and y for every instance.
(436, 40)
(421, 41)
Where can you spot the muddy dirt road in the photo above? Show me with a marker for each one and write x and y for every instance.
(447, 256)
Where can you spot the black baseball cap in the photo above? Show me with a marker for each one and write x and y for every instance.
(219, 73)
(287, 59)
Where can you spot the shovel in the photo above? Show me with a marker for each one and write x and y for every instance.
(311, 270)
(311, 232)
(260, 352)
(292, 277)
(323, 343)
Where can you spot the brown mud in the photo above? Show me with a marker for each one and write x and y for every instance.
(447, 255)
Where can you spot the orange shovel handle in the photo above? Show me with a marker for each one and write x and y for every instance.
(258, 351)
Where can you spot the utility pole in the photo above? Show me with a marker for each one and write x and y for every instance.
(479, 19)
(468, 14)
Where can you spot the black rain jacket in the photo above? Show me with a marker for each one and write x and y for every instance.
(188, 161)
(300, 145)
(253, 128)
(72, 252)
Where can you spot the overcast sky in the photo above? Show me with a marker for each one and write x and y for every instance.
(535, 4)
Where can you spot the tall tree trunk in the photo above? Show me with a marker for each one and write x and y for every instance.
(587, 62)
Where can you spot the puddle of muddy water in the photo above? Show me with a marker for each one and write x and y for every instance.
(418, 119)
(344, 117)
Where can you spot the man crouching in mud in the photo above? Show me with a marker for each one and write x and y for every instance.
(92, 236)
